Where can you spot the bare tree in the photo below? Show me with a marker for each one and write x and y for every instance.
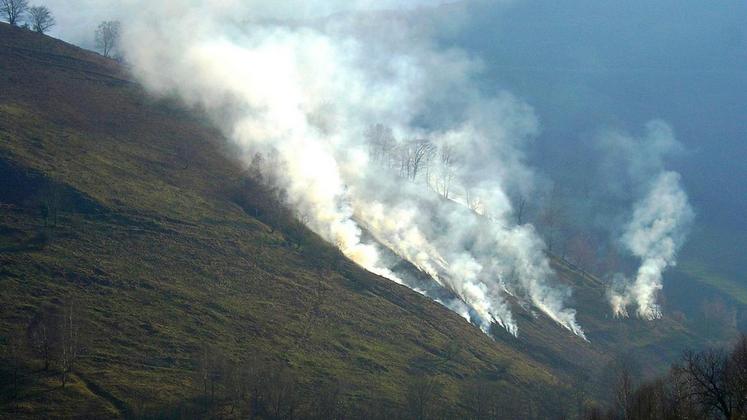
(70, 343)
(13, 10)
(381, 143)
(738, 373)
(107, 37)
(446, 171)
(708, 384)
(212, 371)
(552, 222)
(415, 156)
(43, 335)
(282, 396)
(582, 252)
(422, 154)
(41, 19)
(422, 397)
(706, 375)
(327, 403)
(520, 210)
(649, 401)
(11, 372)
(681, 404)
(51, 202)
(480, 397)
(236, 387)
(624, 392)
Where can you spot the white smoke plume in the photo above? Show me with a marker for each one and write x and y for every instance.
(280, 79)
(658, 226)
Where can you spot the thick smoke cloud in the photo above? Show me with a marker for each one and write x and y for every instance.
(659, 221)
(431, 183)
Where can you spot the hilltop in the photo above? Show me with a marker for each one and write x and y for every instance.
(184, 277)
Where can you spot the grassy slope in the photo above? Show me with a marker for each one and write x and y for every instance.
(162, 260)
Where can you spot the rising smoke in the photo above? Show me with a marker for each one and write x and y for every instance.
(659, 221)
(430, 182)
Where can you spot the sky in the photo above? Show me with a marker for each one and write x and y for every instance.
(589, 65)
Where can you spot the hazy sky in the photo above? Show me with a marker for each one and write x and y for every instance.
(588, 65)
(592, 65)
(76, 18)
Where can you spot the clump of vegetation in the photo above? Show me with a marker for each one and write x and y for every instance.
(707, 384)
(107, 37)
(37, 18)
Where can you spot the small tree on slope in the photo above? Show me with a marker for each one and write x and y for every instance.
(13, 10)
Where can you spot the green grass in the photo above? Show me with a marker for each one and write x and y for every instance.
(703, 274)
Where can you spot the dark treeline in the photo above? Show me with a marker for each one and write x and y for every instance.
(708, 384)
(262, 389)
(52, 343)
(256, 388)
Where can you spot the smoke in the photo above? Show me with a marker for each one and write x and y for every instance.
(659, 223)
(280, 80)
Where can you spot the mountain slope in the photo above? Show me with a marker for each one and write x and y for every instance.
(161, 261)
(131, 210)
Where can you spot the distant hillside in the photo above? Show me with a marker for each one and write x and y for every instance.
(190, 290)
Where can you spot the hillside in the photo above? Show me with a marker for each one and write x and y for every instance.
(131, 211)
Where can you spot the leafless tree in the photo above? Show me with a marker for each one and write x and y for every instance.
(624, 391)
(212, 371)
(41, 19)
(260, 194)
(738, 373)
(706, 375)
(415, 156)
(11, 373)
(480, 397)
(316, 316)
(422, 154)
(282, 396)
(13, 10)
(381, 143)
(327, 403)
(43, 334)
(649, 401)
(70, 342)
(446, 171)
(107, 37)
(422, 397)
(520, 210)
(552, 222)
(708, 384)
(51, 202)
(237, 385)
(581, 252)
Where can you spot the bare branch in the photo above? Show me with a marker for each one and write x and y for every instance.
(41, 19)
(107, 37)
(13, 10)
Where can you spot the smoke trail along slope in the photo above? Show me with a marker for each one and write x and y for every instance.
(309, 96)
